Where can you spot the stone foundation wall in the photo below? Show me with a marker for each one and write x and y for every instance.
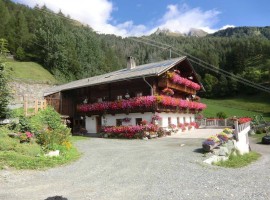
(21, 91)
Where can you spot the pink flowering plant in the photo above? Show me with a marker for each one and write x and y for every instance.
(129, 132)
(25, 137)
(126, 119)
(156, 117)
(142, 102)
(176, 78)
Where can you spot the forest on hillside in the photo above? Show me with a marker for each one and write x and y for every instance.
(71, 50)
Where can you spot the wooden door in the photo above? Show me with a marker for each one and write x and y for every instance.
(98, 124)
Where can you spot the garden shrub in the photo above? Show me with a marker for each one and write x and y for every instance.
(49, 129)
(52, 138)
(221, 115)
(13, 144)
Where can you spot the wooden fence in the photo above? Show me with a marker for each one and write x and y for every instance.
(204, 123)
(32, 107)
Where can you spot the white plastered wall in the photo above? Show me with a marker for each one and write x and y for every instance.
(183, 118)
(110, 120)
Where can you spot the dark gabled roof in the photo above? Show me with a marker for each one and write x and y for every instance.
(151, 69)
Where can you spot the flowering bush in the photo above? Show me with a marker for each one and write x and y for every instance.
(151, 128)
(129, 131)
(168, 91)
(143, 122)
(183, 81)
(142, 102)
(209, 142)
(25, 137)
(228, 131)
(126, 119)
(214, 138)
(243, 120)
(156, 117)
(222, 137)
(173, 128)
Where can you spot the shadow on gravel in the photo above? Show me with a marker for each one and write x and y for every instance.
(199, 150)
(56, 198)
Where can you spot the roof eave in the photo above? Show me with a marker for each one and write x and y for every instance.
(118, 80)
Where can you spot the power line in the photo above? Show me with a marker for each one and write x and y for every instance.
(224, 71)
(174, 50)
(212, 67)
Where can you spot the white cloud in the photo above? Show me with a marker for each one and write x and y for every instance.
(182, 19)
(227, 26)
(98, 14)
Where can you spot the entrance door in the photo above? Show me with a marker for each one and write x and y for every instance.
(98, 124)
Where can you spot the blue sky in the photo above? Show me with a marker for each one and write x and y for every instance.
(142, 17)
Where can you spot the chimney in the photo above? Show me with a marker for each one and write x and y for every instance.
(131, 62)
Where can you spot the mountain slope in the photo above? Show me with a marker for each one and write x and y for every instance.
(244, 32)
(29, 72)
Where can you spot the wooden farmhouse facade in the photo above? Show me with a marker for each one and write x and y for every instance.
(128, 96)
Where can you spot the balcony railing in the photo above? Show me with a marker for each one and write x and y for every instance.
(166, 83)
(142, 104)
(175, 81)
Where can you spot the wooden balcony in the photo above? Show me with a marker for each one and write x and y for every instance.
(156, 108)
(166, 83)
(120, 111)
(167, 109)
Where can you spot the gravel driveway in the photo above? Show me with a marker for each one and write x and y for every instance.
(164, 168)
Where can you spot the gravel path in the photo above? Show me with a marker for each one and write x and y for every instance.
(164, 168)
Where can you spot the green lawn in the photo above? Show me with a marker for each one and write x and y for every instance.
(239, 106)
(22, 157)
(29, 72)
(237, 161)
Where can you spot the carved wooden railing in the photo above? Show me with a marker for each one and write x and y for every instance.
(167, 83)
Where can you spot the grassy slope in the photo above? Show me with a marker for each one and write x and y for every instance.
(29, 72)
(239, 106)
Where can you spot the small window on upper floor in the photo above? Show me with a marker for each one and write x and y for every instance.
(138, 121)
(99, 100)
(118, 122)
(139, 94)
(119, 97)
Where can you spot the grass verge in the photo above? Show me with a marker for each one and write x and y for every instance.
(237, 161)
(20, 160)
(245, 105)
(259, 137)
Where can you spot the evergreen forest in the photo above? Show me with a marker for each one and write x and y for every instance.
(71, 50)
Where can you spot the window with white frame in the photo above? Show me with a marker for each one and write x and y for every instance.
(99, 100)
(139, 94)
(119, 97)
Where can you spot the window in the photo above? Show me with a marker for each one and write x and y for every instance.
(99, 100)
(169, 121)
(118, 122)
(184, 119)
(138, 121)
(119, 97)
(190, 120)
(178, 121)
(139, 94)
